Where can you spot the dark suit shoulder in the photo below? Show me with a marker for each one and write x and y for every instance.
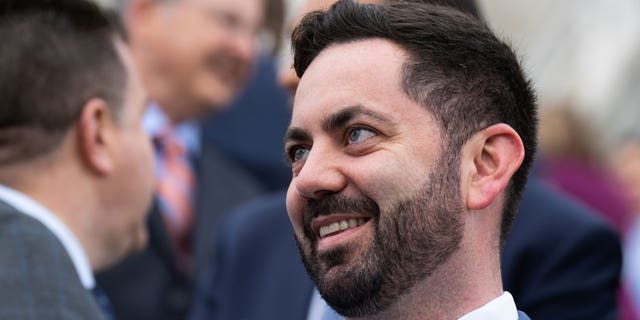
(550, 225)
(257, 231)
(256, 256)
(543, 206)
(561, 261)
(222, 186)
(263, 213)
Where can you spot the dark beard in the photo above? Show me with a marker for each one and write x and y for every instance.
(412, 239)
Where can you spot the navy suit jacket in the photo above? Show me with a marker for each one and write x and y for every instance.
(560, 262)
(149, 285)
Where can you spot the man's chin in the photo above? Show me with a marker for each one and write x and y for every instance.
(219, 93)
(139, 241)
(119, 248)
(350, 290)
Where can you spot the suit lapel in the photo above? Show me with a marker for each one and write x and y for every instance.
(160, 239)
(221, 186)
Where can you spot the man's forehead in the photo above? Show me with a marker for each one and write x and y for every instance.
(312, 5)
(371, 63)
(245, 7)
(365, 72)
(325, 4)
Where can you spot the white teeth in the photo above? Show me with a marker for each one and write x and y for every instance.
(340, 226)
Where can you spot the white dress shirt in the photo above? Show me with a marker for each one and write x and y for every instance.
(188, 133)
(317, 306)
(500, 308)
(28, 206)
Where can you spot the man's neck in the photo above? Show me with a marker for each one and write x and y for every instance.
(48, 184)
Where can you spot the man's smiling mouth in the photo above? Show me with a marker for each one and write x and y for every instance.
(339, 226)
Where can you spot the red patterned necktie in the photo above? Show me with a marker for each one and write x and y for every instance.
(175, 185)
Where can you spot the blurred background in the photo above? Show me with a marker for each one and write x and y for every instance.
(584, 53)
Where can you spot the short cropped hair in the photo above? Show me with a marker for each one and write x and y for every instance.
(457, 69)
(55, 56)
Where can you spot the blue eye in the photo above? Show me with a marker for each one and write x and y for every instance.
(298, 153)
(360, 135)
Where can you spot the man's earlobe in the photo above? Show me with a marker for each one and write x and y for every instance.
(94, 129)
(497, 153)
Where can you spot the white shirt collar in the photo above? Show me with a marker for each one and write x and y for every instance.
(188, 132)
(500, 308)
(28, 206)
(317, 306)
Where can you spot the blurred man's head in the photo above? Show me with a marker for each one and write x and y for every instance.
(70, 131)
(193, 55)
(287, 77)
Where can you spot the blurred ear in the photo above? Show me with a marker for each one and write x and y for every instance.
(137, 16)
(95, 130)
(494, 155)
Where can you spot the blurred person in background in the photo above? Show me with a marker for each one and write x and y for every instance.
(76, 173)
(250, 131)
(570, 161)
(257, 262)
(194, 57)
(625, 163)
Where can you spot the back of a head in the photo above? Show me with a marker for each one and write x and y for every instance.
(457, 69)
(55, 56)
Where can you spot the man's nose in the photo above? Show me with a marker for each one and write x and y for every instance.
(245, 47)
(321, 175)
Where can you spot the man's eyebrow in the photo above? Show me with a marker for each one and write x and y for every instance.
(335, 121)
(296, 134)
(342, 117)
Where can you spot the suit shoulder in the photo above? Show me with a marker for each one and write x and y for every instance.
(265, 211)
(543, 208)
(19, 231)
(260, 222)
(214, 167)
(37, 274)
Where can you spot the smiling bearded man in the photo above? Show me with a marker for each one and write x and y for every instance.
(411, 135)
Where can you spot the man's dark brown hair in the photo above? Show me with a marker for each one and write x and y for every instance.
(55, 56)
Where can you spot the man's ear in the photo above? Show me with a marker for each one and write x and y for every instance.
(94, 133)
(495, 153)
(137, 14)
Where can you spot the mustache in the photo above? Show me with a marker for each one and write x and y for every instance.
(337, 203)
(230, 65)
